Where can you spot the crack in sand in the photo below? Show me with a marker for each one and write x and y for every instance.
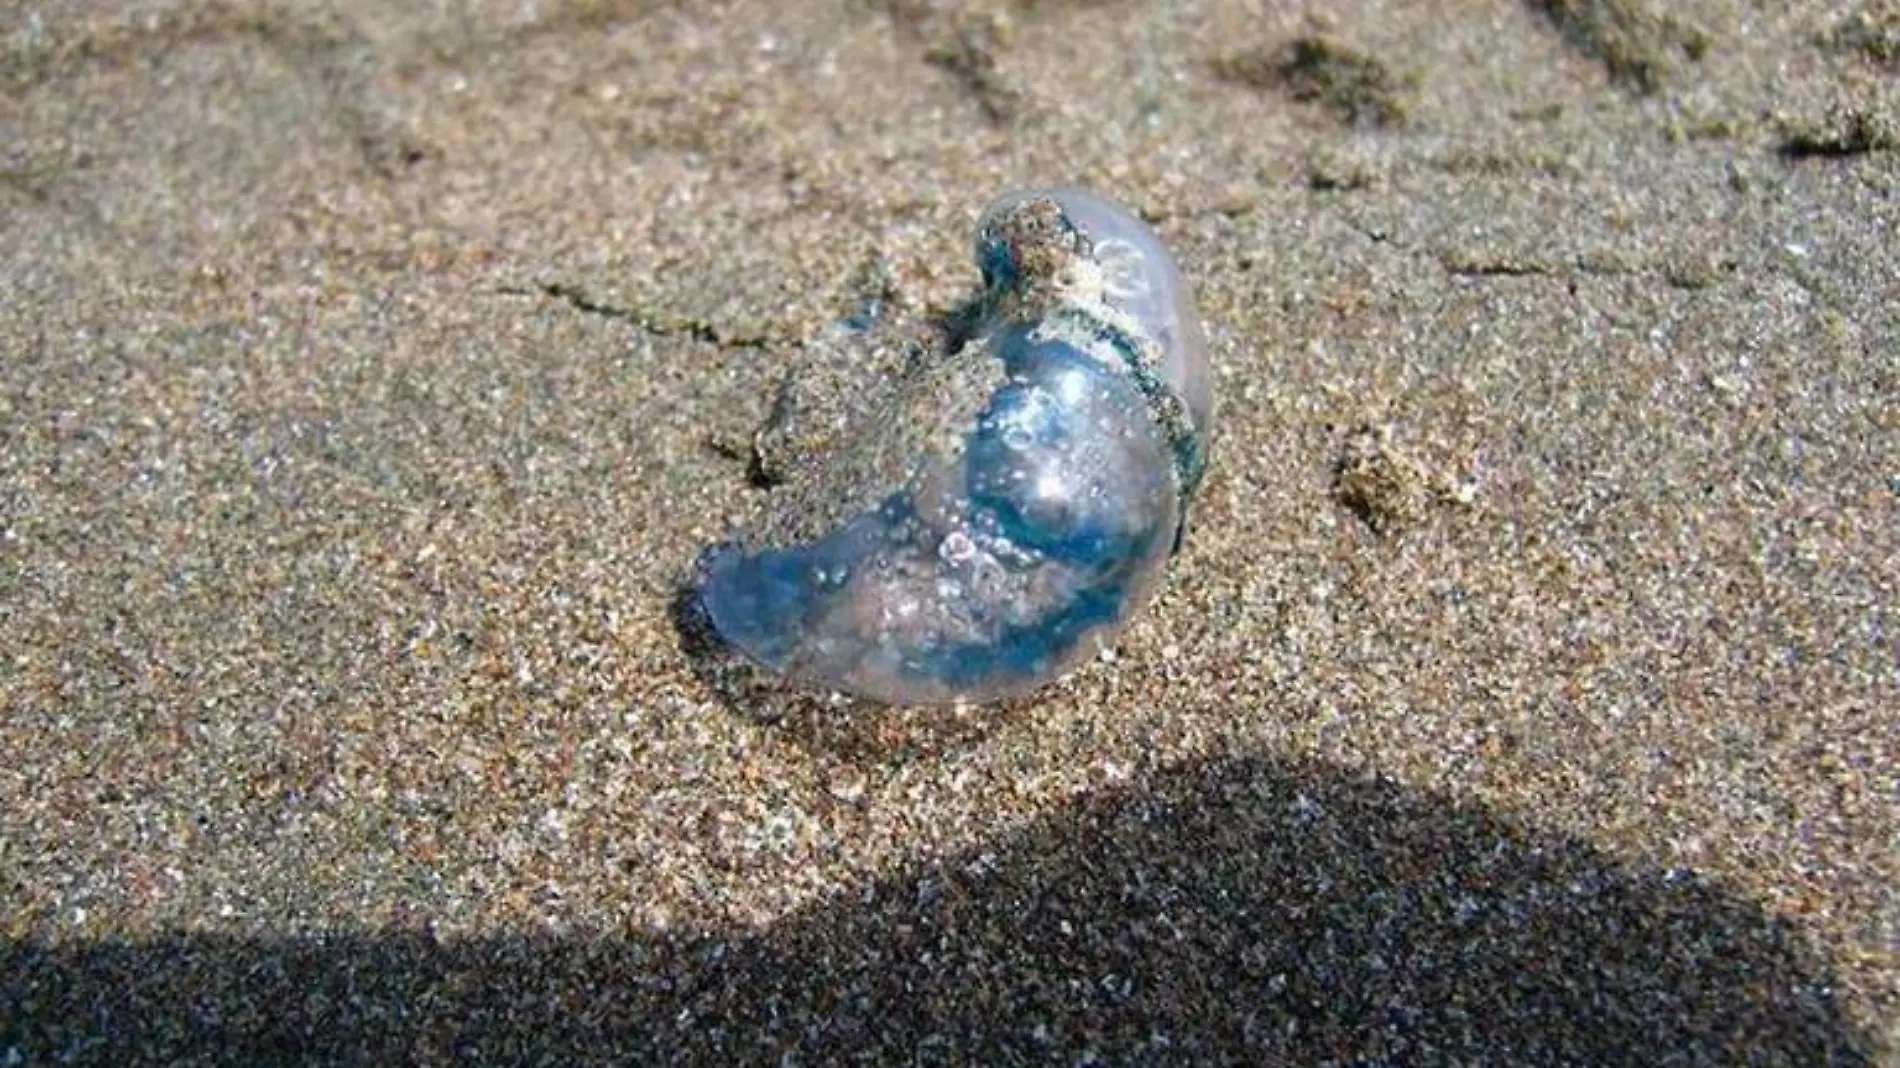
(686, 328)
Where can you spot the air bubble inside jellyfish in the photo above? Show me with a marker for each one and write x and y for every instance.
(1009, 502)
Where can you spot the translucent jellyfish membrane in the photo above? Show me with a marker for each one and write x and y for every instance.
(1009, 502)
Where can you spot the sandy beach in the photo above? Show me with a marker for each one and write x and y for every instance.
(1527, 691)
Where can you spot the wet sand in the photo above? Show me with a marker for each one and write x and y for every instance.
(1526, 692)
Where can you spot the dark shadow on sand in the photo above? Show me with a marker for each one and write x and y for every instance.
(1245, 912)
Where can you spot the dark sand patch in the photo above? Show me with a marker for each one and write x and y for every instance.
(1642, 47)
(1318, 68)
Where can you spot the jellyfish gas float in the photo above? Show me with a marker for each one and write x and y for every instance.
(1012, 500)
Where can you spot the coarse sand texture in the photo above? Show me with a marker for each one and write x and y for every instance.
(373, 376)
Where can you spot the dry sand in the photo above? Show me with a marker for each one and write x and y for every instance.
(1527, 692)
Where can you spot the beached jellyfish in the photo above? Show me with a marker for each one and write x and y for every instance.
(1002, 505)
